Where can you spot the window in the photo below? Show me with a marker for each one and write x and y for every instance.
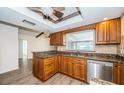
(83, 40)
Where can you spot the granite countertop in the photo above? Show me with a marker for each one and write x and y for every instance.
(90, 56)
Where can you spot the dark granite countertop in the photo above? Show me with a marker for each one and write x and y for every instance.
(90, 56)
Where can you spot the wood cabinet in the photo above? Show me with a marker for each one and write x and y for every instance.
(70, 67)
(101, 33)
(56, 63)
(108, 32)
(74, 67)
(80, 69)
(44, 68)
(56, 39)
(118, 74)
(64, 64)
(53, 39)
(35, 66)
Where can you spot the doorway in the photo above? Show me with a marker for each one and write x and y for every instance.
(24, 49)
(23, 46)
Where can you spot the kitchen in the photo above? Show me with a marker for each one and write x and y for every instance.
(82, 65)
(77, 48)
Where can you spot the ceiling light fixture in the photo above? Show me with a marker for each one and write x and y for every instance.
(106, 18)
(28, 22)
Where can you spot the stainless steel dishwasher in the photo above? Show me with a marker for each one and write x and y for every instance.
(100, 70)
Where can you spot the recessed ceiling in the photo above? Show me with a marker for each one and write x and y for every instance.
(56, 14)
(15, 15)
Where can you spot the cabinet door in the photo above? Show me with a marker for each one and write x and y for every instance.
(61, 41)
(79, 72)
(101, 33)
(114, 30)
(56, 63)
(64, 64)
(56, 39)
(70, 67)
(118, 74)
(35, 66)
(80, 69)
(59, 62)
(122, 74)
(53, 39)
(40, 68)
(108, 32)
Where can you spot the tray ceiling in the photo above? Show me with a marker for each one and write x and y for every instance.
(89, 15)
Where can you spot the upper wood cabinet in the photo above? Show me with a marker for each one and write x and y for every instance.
(101, 33)
(108, 32)
(56, 39)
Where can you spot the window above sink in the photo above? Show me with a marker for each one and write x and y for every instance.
(83, 40)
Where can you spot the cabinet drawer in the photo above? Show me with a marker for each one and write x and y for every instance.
(48, 74)
(79, 61)
(49, 61)
(49, 66)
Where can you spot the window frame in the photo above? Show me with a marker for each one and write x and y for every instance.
(82, 41)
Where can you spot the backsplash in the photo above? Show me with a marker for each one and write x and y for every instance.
(109, 49)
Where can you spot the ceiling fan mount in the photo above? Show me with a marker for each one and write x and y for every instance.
(49, 12)
(54, 14)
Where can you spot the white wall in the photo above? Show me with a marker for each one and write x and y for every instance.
(8, 48)
(34, 44)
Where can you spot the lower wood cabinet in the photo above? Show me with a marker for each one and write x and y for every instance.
(118, 74)
(80, 69)
(64, 64)
(70, 67)
(44, 68)
(35, 66)
(74, 67)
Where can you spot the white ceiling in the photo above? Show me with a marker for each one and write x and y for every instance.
(15, 15)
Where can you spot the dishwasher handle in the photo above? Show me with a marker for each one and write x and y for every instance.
(100, 63)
